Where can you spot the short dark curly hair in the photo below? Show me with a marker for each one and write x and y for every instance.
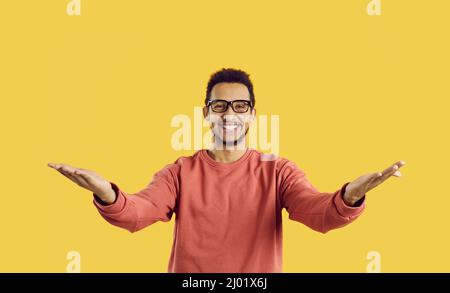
(230, 75)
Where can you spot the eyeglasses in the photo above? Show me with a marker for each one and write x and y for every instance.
(221, 106)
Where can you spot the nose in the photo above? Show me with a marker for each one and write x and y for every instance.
(229, 111)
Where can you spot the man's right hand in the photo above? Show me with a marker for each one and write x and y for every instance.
(89, 180)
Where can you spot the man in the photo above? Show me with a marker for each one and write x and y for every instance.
(228, 199)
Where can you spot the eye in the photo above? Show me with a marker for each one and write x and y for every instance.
(241, 106)
(218, 106)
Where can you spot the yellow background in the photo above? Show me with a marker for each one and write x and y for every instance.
(354, 92)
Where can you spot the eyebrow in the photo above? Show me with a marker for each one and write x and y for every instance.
(241, 99)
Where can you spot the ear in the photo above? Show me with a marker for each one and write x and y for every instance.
(205, 112)
(253, 114)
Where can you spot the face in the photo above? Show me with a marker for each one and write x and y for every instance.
(230, 127)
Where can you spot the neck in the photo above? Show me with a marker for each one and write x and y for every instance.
(226, 156)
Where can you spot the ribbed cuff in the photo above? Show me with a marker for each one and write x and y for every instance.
(346, 210)
(113, 208)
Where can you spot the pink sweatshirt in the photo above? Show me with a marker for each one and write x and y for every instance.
(228, 215)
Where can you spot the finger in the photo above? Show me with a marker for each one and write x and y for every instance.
(78, 173)
(389, 170)
(62, 170)
(374, 180)
(55, 166)
(66, 171)
(397, 174)
(86, 177)
(82, 180)
(373, 177)
(75, 178)
(72, 178)
(386, 175)
(400, 164)
(392, 169)
(69, 169)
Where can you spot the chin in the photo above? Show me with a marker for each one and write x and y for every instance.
(232, 141)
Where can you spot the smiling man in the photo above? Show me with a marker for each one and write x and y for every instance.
(228, 199)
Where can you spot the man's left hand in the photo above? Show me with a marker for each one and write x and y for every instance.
(356, 189)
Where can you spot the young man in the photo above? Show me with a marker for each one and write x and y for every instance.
(228, 199)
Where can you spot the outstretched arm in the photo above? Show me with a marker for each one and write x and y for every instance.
(323, 211)
(156, 202)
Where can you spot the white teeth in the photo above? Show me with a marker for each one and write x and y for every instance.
(230, 127)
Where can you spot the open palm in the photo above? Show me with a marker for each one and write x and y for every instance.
(356, 189)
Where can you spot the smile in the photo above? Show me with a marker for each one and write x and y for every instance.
(230, 126)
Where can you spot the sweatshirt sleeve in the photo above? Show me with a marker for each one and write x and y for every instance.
(320, 211)
(156, 202)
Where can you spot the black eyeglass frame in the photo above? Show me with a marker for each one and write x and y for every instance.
(228, 103)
